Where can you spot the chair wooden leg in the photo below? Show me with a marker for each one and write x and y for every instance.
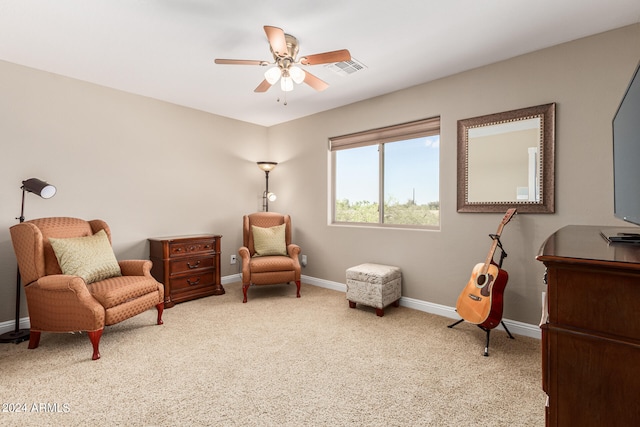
(95, 336)
(298, 288)
(160, 308)
(244, 291)
(34, 339)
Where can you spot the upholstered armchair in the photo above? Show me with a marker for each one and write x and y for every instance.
(73, 281)
(268, 256)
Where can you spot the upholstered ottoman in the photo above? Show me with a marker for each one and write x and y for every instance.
(374, 285)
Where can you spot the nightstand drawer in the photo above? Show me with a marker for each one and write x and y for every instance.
(180, 266)
(188, 266)
(203, 278)
(190, 248)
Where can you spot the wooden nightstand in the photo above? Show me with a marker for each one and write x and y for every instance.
(188, 266)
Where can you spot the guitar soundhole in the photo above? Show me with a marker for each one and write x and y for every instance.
(481, 280)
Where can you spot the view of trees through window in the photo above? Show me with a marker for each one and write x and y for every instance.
(404, 174)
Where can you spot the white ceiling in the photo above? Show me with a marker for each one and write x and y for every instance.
(164, 49)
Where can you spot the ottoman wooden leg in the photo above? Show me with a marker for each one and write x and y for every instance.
(352, 304)
(396, 303)
(379, 312)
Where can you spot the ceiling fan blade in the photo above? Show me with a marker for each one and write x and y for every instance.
(327, 57)
(276, 40)
(315, 82)
(263, 87)
(240, 62)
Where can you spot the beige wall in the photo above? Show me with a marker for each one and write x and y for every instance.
(150, 168)
(586, 79)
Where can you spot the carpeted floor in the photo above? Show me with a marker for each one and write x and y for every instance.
(275, 361)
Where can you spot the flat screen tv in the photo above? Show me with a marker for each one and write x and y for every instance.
(626, 154)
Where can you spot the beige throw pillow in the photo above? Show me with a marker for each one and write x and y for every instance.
(90, 257)
(269, 241)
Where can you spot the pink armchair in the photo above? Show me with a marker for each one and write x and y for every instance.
(66, 303)
(268, 269)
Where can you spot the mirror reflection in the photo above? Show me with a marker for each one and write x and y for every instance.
(506, 160)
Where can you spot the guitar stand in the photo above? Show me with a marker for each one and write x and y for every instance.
(503, 255)
(488, 331)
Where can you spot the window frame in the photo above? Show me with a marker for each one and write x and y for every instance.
(380, 136)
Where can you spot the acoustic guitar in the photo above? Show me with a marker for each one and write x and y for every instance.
(480, 302)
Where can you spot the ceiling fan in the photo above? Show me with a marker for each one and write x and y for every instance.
(284, 48)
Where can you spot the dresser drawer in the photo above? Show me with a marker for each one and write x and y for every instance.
(179, 266)
(197, 280)
(191, 247)
(576, 287)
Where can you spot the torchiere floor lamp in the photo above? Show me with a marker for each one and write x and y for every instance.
(267, 196)
(46, 191)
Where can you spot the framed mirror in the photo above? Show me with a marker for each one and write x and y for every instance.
(506, 160)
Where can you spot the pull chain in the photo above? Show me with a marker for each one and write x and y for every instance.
(285, 99)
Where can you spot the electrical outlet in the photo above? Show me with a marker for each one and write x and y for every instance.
(304, 260)
(233, 259)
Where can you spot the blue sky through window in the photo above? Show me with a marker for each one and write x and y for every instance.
(411, 167)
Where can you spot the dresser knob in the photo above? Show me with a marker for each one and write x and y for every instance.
(193, 266)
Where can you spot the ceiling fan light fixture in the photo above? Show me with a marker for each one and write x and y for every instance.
(284, 49)
(297, 74)
(272, 75)
(286, 84)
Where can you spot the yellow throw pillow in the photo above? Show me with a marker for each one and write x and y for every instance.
(269, 241)
(90, 257)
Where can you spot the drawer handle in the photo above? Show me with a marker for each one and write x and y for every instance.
(192, 248)
(177, 250)
(193, 266)
(207, 246)
(193, 283)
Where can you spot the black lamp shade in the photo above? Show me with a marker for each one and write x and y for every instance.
(41, 188)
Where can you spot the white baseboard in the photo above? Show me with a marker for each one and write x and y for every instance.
(233, 278)
(10, 325)
(515, 327)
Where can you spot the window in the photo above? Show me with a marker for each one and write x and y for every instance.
(388, 176)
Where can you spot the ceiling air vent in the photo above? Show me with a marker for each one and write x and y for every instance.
(346, 68)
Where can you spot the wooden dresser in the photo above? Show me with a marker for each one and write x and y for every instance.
(591, 341)
(188, 266)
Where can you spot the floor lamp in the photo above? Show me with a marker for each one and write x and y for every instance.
(46, 191)
(266, 196)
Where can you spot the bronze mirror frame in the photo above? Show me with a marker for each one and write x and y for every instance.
(545, 158)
